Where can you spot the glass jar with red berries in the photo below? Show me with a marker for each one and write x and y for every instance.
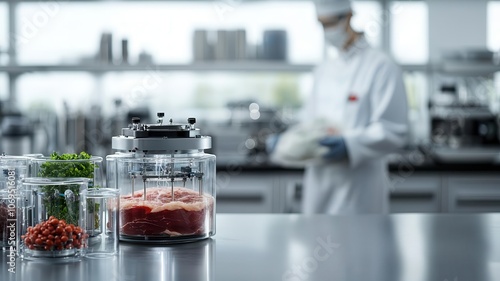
(52, 219)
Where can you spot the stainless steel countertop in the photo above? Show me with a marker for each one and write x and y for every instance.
(293, 247)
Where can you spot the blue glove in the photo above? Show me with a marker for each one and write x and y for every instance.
(337, 149)
(271, 142)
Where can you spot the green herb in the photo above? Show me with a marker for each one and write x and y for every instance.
(58, 204)
(76, 169)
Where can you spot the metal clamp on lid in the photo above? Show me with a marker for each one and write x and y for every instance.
(161, 138)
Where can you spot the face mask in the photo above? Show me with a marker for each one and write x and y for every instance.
(337, 36)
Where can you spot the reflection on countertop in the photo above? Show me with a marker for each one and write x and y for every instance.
(189, 261)
(400, 247)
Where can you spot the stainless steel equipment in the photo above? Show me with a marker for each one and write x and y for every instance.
(464, 110)
(464, 127)
(17, 135)
(166, 182)
(464, 134)
(462, 114)
(241, 139)
(469, 55)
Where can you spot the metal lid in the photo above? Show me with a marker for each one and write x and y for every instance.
(161, 138)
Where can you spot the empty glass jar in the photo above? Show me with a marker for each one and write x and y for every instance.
(12, 170)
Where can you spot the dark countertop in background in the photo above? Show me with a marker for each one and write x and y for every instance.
(446, 167)
(296, 247)
(394, 166)
(418, 159)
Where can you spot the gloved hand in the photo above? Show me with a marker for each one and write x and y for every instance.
(271, 142)
(337, 149)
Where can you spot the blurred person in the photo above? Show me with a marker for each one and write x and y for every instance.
(362, 93)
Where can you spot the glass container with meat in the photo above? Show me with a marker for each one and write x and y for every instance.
(166, 183)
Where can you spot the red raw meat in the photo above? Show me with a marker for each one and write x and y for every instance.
(189, 214)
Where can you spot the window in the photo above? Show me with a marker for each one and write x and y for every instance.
(67, 34)
(417, 93)
(493, 41)
(4, 46)
(368, 18)
(494, 25)
(50, 90)
(4, 43)
(63, 32)
(298, 18)
(4, 82)
(182, 93)
(410, 32)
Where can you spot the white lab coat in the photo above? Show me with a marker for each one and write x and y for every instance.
(363, 90)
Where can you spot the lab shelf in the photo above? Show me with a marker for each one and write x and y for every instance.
(469, 68)
(240, 66)
(416, 67)
(250, 66)
(236, 66)
(455, 68)
(20, 1)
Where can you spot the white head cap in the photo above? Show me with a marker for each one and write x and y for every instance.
(332, 7)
